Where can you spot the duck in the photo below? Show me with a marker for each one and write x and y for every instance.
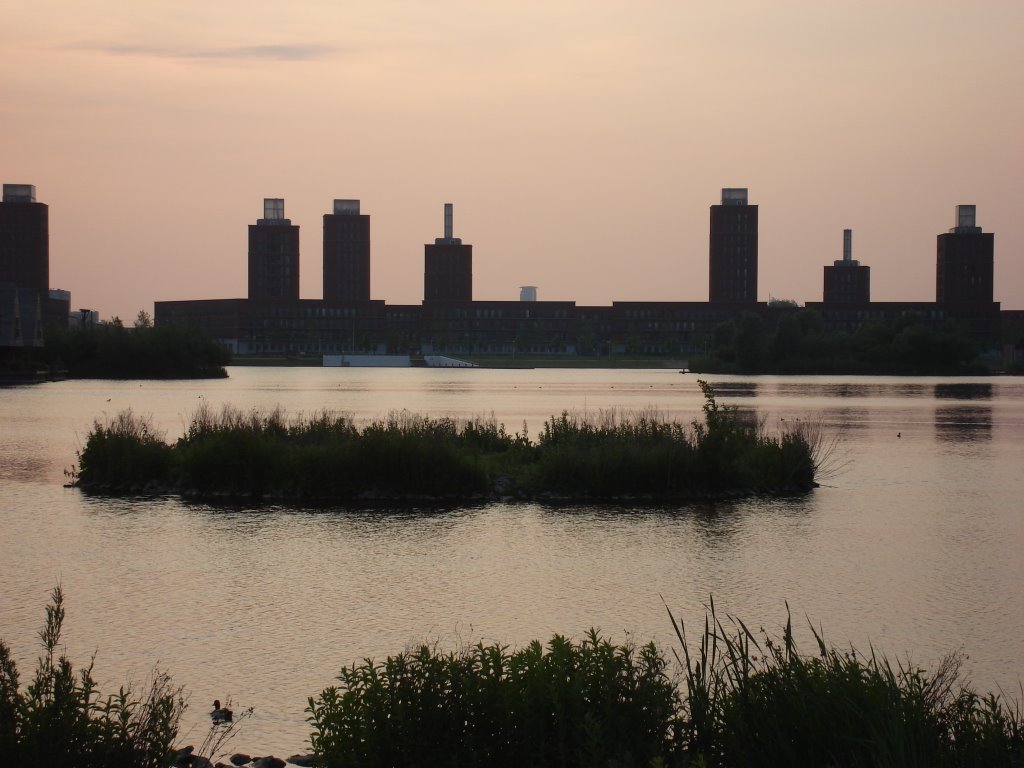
(220, 714)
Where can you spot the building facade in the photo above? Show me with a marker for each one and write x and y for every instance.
(24, 239)
(273, 254)
(847, 281)
(447, 267)
(733, 249)
(964, 261)
(346, 253)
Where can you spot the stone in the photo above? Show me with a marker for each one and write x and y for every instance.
(182, 757)
(268, 762)
(239, 759)
(306, 761)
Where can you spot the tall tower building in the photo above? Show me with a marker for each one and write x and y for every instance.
(24, 239)
(847, 281)
(346, 253)
(733, 261)
(964, 261)
(273, 254)
(447, 266)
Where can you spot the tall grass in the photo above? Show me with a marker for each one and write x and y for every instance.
(754, 700)
(325, 457)
(61, 719)
(124, 450)
(739, 699)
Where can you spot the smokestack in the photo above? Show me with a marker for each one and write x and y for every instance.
(448, 221)
(847, 245)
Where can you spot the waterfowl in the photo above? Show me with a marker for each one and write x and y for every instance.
(220, 714)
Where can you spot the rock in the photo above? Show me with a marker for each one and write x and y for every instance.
(307, 761)
(198, 761)
(239, 759)
(268, 762)
(182, 757)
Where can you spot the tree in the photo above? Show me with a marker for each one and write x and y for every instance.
(143, 319)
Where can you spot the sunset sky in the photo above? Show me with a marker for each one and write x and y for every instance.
(581, 141)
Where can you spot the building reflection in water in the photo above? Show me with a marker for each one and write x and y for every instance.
(963, 423)
(963, 391)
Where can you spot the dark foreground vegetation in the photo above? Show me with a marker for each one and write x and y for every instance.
(729, 698)
(326, 458)
(61, 719)
(742, 700)
(144, 352)
(799, 343)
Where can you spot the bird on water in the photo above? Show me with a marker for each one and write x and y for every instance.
(220, 714)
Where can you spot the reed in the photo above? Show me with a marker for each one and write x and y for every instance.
(124, 450)
(325, 457)
(754, 700)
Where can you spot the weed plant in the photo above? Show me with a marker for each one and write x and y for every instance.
(754, 700)
(124, 450)
(61, 719)
(326, 457)
(741, 699)
(589, 703)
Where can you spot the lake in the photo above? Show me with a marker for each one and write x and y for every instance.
(912, 544)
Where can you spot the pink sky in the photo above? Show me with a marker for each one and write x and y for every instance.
(581, 141)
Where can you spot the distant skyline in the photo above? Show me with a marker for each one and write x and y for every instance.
(581, 141)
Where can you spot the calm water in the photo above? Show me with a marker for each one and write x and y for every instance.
(913, 545)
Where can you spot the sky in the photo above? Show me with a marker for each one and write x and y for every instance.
(581, 141)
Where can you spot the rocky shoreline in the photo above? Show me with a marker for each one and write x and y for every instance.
(375, 499)
(186, 758)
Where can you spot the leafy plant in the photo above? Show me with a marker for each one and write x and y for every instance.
(61, 719)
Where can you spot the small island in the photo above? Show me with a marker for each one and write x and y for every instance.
(145, 351)
(325, 459)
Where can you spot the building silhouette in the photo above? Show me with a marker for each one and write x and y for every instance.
(273, 254)
(847, 281)
(449, 321)
(447, 267)
(26, 301)
(733, 251)
(346, 253)
(964, 261)
(24, 239)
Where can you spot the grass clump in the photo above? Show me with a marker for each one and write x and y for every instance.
(567, 704)
(61, 719)
(124, 450)
(325, 457)
(756, 701)
(738, 699)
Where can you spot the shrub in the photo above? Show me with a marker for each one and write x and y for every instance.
(61, 719)
(569, 704)
(758, 702)
(124, 450)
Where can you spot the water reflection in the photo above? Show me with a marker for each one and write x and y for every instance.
(961, 391)
(963, 423)
(736, 388)
(848, 389)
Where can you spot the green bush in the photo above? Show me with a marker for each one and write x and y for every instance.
(61, 719)
(756, 701)
(570, 704)
(124, 451)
